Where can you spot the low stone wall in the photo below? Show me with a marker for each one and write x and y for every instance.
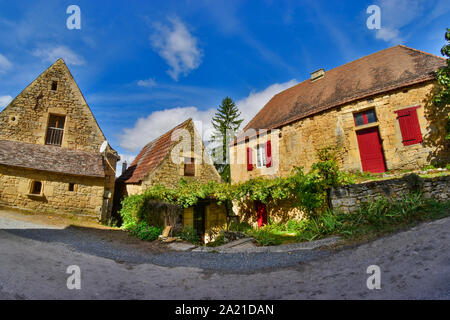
(348, 198)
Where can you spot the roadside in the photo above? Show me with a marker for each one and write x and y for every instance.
(414, 265)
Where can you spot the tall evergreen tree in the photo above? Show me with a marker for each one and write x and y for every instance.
(226, 123)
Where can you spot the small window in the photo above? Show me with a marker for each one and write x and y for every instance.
(261, 156)
(55, 130)
(189, 167)
(54, 85)
(71, 187)
(365, 117)
(409, 126)
(36, 187)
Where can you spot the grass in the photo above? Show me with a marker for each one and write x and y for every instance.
(372, 220)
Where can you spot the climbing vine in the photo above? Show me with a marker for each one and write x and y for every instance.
(308, 190)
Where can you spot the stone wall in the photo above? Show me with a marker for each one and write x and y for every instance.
(348, 198)
(215, 220)
(86, 199)
(299, 141)
(26, 117)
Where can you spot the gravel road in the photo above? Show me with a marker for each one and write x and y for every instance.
(34, 258)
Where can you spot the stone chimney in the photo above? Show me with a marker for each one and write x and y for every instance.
(316, 75)
(124, 166)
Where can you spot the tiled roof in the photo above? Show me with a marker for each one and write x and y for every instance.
(151, 156)
(51, 158)
(382, 71)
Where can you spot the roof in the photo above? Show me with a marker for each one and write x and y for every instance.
(51, 159)
(151, 156)
(379, 72)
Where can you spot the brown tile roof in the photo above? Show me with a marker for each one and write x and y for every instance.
(51, 158)
(382, 71)
(151, 156)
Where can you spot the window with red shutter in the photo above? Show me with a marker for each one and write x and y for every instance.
(409, 126)
(249, 159)
(268, 154)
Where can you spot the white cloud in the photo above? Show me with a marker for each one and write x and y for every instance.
(157, 123)
(389, 35)
(5, 64)
(252, 104)
(396, 14)
(4, 101)
(124, 157)
(149, 83)
(53, 54)
(175, 44)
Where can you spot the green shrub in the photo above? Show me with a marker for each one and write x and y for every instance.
(190, 235)
(145, 232)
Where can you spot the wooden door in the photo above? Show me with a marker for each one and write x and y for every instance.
(199, 219)
(371, 150)
(261, 213)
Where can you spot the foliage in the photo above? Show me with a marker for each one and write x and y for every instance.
(372, 218)
(225, 122)
(190, 235)
(310, 191)
(442, 97)
(143, 231)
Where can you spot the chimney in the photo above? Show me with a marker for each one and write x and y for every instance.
(124, 166)
(316, 75)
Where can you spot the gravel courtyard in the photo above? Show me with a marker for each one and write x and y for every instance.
(34, 257)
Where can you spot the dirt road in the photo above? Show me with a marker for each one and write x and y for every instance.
(34, 258)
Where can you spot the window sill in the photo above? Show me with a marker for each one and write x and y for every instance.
(36, 196)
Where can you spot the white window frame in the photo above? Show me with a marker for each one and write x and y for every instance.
(261, 156)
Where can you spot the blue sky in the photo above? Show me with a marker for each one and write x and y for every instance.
(145, 66)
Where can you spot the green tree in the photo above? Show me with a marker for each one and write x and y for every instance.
(226, 123)
(442, 97)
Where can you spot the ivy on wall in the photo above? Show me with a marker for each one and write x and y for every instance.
(308, 190)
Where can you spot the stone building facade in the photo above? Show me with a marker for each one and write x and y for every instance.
(50, 158)
(377, 103)
(177, 154)
(376, 111)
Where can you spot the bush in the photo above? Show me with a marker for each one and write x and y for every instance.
(145, 232)
(190, 235)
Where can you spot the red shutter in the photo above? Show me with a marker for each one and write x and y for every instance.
(249, 159)
(268, 154)
(409, 126)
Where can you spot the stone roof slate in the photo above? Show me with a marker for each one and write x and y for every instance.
(51, 159)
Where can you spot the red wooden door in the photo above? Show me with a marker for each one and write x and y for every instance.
(371, 151)
(261, 212)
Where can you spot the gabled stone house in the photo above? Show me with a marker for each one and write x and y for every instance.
(177, 154)
(50, 156)
(376, 110)
(168, 159)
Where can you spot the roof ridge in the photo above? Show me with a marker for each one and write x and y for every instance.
(421, 51)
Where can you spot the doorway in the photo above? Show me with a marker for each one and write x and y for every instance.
(371, 150)
(261, 213)
(199, 219)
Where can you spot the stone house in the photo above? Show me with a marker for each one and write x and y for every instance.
(376, 110)
(177, 154)
(50, 159)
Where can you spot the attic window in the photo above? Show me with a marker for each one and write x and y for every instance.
(55, 130)
(54, 85)
(36, 188)
(189, 167)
